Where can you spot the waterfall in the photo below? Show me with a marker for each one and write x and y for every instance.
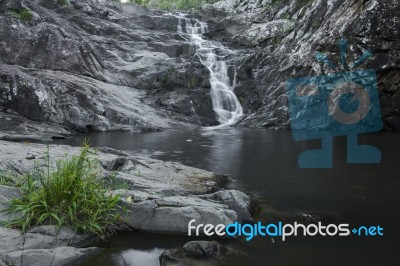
(212, 55)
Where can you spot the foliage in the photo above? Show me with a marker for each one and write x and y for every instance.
(6, 178)
(114, 183)
(69, 195)
(63, 2)
(22, 14)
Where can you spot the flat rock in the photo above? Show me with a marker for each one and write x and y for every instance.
(48, 257)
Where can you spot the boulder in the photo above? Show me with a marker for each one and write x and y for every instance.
(194, 253)
(203, 249)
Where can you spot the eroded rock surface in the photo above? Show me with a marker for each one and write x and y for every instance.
(279, 40)
(95, 65)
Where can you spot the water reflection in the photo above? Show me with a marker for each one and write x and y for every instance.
(133, 257)
(265, 163)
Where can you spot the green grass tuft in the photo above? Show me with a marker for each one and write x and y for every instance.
(69, 195)
(63, 2)
(6, 178)
(22, 14)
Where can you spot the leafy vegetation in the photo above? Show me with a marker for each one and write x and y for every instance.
(68, 195)
(22, 14)
(114, 183)
(174, 4)
(63, 2)
(6, 178)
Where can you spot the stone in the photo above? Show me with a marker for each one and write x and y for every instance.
(6, 195)
(173, 214)
(235, 200)
(195, 253)
(48, 257)
(203, 249)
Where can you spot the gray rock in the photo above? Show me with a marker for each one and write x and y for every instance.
(194, 253)
(48, 257)
(97, 66)
(6, 195)
(171, 257)
(162, 197)
(42, 237)
(235, 200)
(203, 249)
(11, 240)
(278, 40)
(172, 214)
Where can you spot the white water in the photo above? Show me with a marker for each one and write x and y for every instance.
(212, 55)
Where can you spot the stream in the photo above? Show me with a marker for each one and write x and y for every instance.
(264, 163)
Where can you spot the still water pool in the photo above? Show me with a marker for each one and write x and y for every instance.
(264, 163)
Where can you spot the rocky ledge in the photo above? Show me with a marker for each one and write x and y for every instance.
(96, 65)
(161, 197)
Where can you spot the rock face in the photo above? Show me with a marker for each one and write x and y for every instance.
(95, 65)
(279, 40)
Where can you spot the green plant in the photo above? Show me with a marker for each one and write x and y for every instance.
(276, 41)
(287, 16)
(6, 178)
(63, 2)
(276, 3)
(113, 183)
(22, 14)
(68, 195)
(192, 82)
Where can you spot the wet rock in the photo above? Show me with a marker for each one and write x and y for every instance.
(171, 257)
(203, 249)
(278, 41)
(11, 5)
(235, 200)
(48, 257)
(161, 196)
(173, 214)
(194, 253)
(97, 66)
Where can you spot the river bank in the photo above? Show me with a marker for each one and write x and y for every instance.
(160, 197)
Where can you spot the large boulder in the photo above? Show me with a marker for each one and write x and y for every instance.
(173, 214)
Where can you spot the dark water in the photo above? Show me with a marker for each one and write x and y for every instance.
(264, 163)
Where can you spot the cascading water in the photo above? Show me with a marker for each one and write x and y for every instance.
(225, 103)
